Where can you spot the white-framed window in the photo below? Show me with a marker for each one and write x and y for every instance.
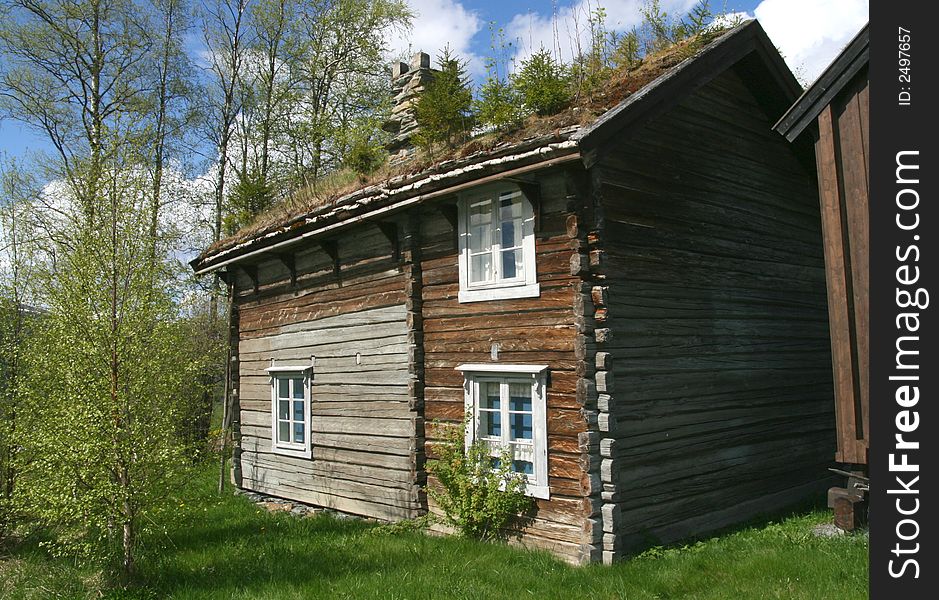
(509, 412)
(497, 245)
(290, 410)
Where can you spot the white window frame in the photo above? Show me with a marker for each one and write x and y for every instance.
(498, 289)
(536, 375)
(300, 450)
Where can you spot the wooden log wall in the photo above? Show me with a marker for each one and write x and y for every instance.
(342, 301)
(842, 153)
(525, 331)
(710, 279)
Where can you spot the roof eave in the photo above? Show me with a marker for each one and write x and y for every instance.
(802, 114)
(312, 227)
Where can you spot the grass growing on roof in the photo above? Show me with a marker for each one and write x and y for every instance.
(618, 86)
(208, 546)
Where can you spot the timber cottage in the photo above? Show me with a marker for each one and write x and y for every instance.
(630, 296)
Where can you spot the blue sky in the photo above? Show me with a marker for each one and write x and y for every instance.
(808, 32)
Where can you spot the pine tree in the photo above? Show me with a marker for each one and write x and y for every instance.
(444, 109)
(498, 104)
(543, 83)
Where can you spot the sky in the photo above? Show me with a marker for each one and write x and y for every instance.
(809, 33)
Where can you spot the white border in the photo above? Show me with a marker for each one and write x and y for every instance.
(501, 368)
(539, 413)
(297, 450)
(529, 288)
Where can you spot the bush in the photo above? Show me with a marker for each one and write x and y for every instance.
(478, 499)
(498, 104)
(543, 83)
(251, 195)
(444, 109)
(365, 156)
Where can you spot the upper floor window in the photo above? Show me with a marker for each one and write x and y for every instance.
(290, 411)
(497, 245)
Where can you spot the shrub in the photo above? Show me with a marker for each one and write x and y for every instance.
(250, 196)
(498, 104)
(444, 109)
(478, 498)
(543, 83)
(365, 156)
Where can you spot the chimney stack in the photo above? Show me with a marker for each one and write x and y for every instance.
(408, 80)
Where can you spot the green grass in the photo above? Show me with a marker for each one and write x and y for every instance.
(208, 546)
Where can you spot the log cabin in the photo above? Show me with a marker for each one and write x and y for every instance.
(629, 297)
(834, 113)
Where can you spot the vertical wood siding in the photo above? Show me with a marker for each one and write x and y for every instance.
(842, 156)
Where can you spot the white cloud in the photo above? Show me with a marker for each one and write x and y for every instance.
(730, 19)
(561, 32)
(810, 33)
(436, 24)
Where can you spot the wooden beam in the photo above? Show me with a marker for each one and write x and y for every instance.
(532, 191)
(252, 272)
(331, 247)
(449, 212)
(289, 261)
(390, 231)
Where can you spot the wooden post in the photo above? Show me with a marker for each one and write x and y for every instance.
(227, 396)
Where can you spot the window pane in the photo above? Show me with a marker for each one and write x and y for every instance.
(509, 234)
(520, 397)
(480, 213)
(283, 410)
(490, 423)
(298, 387)
(298, 433)
(523, 466)
(283, 431)
(298, 410)
(512, 264)
(480, 238)
(283, 388)
(481, 267)
(510, 206)
(520, 426)
(489, 391)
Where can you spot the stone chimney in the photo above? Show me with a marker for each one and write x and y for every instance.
(407, 82)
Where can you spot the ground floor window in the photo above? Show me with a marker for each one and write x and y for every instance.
(507, 404)
(290, 411)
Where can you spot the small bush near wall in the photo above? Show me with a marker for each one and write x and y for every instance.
(479, 496)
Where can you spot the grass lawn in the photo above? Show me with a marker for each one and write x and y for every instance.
(212, 546)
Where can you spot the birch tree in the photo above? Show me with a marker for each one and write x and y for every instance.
(106, 379)
(225, 31)
(16, 312)
(72, 71)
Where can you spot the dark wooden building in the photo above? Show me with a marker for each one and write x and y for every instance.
(835, 113)
(634, 308)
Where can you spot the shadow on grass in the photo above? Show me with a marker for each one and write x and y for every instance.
(225, 558)
(813, 504)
